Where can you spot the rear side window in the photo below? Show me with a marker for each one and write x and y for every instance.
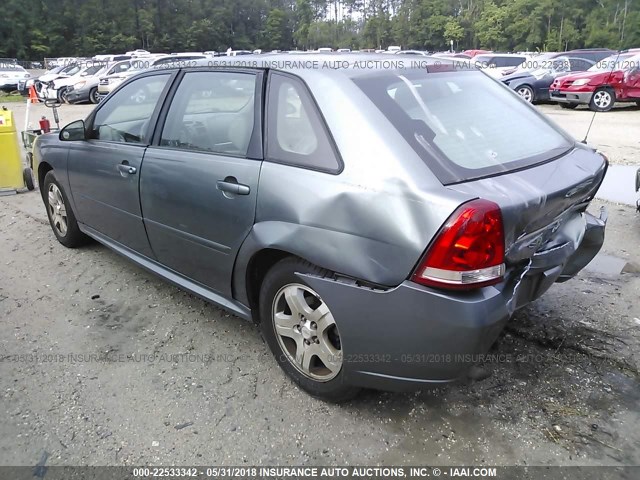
(464, 125)
(296, 133)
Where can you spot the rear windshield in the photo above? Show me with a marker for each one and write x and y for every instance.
(463, 124)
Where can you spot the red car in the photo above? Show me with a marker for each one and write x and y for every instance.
(614, 79)
(473, 53)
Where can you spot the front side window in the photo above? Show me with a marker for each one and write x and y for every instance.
(124, 117)
(212, 112)
(463, 124)
(296, 133)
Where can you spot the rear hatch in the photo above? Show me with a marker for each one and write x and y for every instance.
(481, 139)
(544, 217)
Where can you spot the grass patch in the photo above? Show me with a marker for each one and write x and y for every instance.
(9, 98)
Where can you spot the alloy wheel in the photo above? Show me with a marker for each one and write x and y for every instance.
(57, 210)
(526, 93)
(602, 99)
(307, 332)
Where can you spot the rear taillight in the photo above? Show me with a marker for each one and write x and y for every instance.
(468, 252)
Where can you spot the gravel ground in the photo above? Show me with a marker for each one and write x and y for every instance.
(105, 377)
(616, 133)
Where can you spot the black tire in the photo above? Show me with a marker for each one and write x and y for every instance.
(73, 237)
(28, 178)
(597, 105)
(280, 275)
(93, 96)
(30, 160)
(62, 95)
(526, 93)
(569, 106)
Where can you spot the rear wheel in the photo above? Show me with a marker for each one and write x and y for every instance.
(301, 331)
(27, 175)
(569, 106)
(526, 92)
(603, 100)
(61, 217)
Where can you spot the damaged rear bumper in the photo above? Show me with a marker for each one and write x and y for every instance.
(589, 247)
(412, 336)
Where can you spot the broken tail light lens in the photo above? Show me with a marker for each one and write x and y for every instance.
(468, 252)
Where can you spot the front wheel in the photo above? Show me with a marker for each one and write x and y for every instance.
(301, 331)
(526, 92)
(602, 100)
(93, 95)
(62, 95)
(61, 217)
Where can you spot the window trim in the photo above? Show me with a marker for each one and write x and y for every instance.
(89, 121)
(254, 151)
(323, 122)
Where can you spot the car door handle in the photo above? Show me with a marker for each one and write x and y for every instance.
(128, 169)
(231, 185)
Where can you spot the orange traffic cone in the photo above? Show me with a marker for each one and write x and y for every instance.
(33, 96)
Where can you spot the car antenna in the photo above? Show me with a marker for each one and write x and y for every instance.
(593, 117)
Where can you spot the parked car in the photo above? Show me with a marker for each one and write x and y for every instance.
(534, 85)
(59, 88)
(383, 256)
(108, 83)
(497, 64)
(44, 82)
(411, 52)
(614, 79)
(112, 58)
(473, 53)
(538, 61)
(86, 90)
(593, 54)
(11, 74)
(138, 53)
(462, 56)
(638, 189)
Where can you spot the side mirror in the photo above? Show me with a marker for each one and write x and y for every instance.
(73, 132)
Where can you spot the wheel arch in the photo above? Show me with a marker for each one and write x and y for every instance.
(530, 87)
(247, 284)
(347, 255)
(43, 169)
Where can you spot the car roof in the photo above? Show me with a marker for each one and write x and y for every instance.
(348, 64)
(500, 55)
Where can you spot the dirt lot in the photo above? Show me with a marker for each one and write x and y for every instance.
(95, 366)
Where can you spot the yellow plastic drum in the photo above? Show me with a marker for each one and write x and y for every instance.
(12, 175)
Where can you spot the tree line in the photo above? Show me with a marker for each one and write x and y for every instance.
(33, 29)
